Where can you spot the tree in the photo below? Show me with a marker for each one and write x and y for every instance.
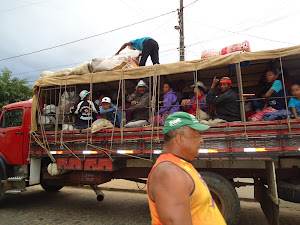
(13, 89)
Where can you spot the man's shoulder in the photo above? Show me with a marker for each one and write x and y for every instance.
(277, 82)
(167, 169)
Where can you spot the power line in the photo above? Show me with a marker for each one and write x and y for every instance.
(81, 39)
(8, 10)
(263, 38)
(48, 68)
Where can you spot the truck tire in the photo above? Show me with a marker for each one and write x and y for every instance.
(51, 188)
(289, 192)
(2, 174)
(224, 195)
(1, 186)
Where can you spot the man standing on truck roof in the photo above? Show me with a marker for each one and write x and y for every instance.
(176, 191)
(227, 103)
(84, 111)
(147, 45)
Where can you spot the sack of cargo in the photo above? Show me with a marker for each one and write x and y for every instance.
(67, 127)
(139, 123)
(49, 109)
(100, 124)
(244, 47)
(68, 99)
(46, 120)
(81, 69)
(210, 53)
(46, 74)
(63, 72)
(235, 53)
(125, 65)
(110, 63)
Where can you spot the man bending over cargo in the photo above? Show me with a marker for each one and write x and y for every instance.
(147, 45)
(84, 111)
(177, 193)
(227, 104)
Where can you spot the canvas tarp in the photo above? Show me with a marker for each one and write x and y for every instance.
(165, 69)
(162, 69)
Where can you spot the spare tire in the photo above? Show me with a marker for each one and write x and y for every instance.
(224, 195)
(288, 192)
(51, 188)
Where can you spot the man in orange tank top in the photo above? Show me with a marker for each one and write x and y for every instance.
(177, 193)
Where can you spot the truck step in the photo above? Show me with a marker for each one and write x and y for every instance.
(15, 191)
(15, 178)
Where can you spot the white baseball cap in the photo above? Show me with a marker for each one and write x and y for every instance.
(83, 94)
(141, 83)
(106, 99)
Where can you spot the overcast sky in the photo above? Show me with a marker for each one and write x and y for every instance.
(32, 25)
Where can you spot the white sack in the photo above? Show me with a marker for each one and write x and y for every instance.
(109, 63)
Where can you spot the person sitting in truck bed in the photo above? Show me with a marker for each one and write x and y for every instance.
(190, 106)
(170, 105)
(227, 104)
(110, 111)
(294, 103)
(274, 97)
(84, 111)
(139, 108)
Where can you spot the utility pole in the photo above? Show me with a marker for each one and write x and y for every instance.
(181, 34)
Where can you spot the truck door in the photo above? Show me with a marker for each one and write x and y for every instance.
(11, 136)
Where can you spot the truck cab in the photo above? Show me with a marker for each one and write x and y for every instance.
(14, 146)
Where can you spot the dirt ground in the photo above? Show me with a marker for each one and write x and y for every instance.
(251, 210)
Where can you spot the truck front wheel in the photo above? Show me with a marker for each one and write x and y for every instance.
(51, 188)
(224, 195)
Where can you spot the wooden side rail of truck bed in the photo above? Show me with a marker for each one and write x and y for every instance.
(81, 149)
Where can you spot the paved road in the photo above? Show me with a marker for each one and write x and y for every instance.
(79, 206)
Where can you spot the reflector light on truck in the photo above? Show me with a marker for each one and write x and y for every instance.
(125, 151)
(255, 149)
(208, 150)
(89, 152)
(56, 152)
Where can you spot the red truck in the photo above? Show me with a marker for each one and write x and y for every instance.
(266, 151)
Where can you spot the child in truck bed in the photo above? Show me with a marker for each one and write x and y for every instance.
(110, 111)
(294, 103)
(274, 96)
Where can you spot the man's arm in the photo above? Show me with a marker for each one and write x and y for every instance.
(212, 99)
(170, 188)
(276, 87)
(143, 103)
(131, 97)
(269, 93)
(123, 46)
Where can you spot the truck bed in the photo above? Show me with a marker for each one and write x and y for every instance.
(80, 149)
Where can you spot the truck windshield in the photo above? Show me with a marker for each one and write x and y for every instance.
(13, 118)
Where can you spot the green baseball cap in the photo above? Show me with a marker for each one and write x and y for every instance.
(180, 119)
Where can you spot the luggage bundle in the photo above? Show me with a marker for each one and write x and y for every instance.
(228, 50)
(124, 60)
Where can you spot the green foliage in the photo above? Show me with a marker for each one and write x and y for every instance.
(13, 89)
